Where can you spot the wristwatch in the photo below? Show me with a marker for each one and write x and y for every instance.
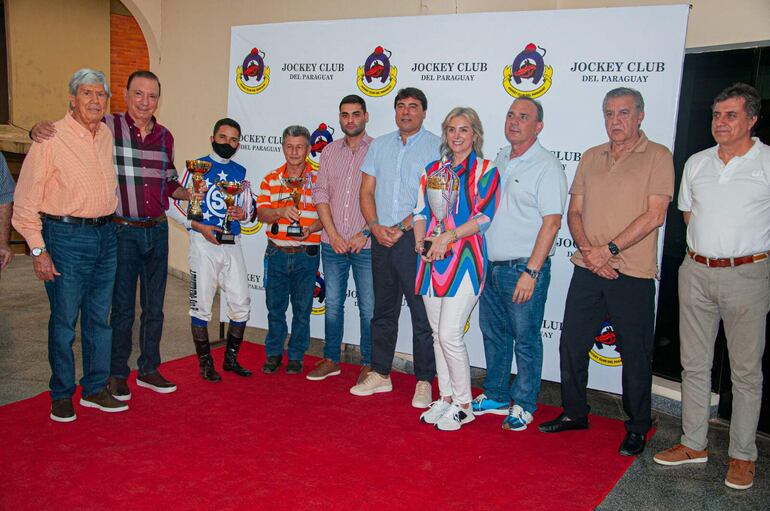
(37, 251)
(367, 233)
(532, 273)
(614, 250)
(401, 227)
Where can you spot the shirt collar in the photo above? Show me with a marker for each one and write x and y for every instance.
(131, 123)
(749, 155)
(79, 128)
(529, 154)
(414, 138)
(639, 147)
(218, 159)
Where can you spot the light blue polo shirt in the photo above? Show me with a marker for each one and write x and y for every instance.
(397, 168)
(531, 186)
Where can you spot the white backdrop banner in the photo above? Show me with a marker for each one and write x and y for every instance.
(296, 73)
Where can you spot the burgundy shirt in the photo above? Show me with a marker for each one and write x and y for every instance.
(145, 167)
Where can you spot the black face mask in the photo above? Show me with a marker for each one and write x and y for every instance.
(225, 151)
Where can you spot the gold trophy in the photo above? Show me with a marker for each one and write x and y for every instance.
(442, 193)
(230, 190)
(296, 186)
(197, 168)
(442, 196)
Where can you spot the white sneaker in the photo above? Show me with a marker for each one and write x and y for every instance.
(454, 417)
(517, 419)
(423, 395)
(372, 384)
(436, 410)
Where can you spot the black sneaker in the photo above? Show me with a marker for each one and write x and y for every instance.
(294, 367)
(154, 381)
(103, 401)
(272, 363)
(119, 388)
(62, 410)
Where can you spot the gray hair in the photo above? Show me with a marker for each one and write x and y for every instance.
(296, 131)
(535, 102)
(625, 91)
(478, 131)
(87, 76)
(752, 102)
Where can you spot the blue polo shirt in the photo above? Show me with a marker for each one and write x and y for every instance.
(531, 186)
(397, 168)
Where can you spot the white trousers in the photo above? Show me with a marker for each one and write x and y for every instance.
(213, 266)
(447, 317)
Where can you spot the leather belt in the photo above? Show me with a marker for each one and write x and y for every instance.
(726, 262)
(311, 250)
(149, 222)
(510, 262)
(95, 222)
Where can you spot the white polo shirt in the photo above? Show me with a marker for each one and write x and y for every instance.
(730, 204)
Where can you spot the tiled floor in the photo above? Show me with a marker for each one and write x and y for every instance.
(646, 486)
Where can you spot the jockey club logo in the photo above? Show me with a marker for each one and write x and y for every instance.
(319, 294)
(377, 77)
(319, 139)
(253, 76)
(605, 343)
(528, 75)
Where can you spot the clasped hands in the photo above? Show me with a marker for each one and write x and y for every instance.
(599, 260)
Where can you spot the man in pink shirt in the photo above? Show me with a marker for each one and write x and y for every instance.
(63, 207)
(345, 239)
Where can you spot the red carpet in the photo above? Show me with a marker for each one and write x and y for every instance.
(283, 442)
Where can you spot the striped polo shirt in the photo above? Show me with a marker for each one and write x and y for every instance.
(273, 193)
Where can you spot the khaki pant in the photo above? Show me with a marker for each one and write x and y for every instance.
(741, 297)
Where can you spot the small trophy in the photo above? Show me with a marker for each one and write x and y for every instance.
(196, 168)
(442, 196)
(230, 190)
(296, 186)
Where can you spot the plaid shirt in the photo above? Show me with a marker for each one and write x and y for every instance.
(145, 167)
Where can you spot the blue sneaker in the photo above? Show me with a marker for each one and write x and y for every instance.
(517, 419)
(482, 404)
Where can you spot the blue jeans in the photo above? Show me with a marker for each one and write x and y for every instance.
(86, 257)
(142, 256)
(510, 328)
(336, 269)
(289, 277)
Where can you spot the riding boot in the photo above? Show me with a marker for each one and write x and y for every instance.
(234, 339)
(203, 349)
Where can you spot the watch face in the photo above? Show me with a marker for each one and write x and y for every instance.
(37, 251)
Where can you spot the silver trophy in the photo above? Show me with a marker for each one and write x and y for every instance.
(442, 197)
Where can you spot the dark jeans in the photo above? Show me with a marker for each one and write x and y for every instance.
(143, 257)
(289, 277)
(85, 256)
(630, 304)
(394, 271)
(511, 328)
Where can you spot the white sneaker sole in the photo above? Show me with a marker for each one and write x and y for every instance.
(319, 378)
(90, 404)
(369, 392)
(493, 411)
(125, 397)
(455, 426)
(421, 404)
(159, 390)
(56, 418)
(738, 486)
(681, 462)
